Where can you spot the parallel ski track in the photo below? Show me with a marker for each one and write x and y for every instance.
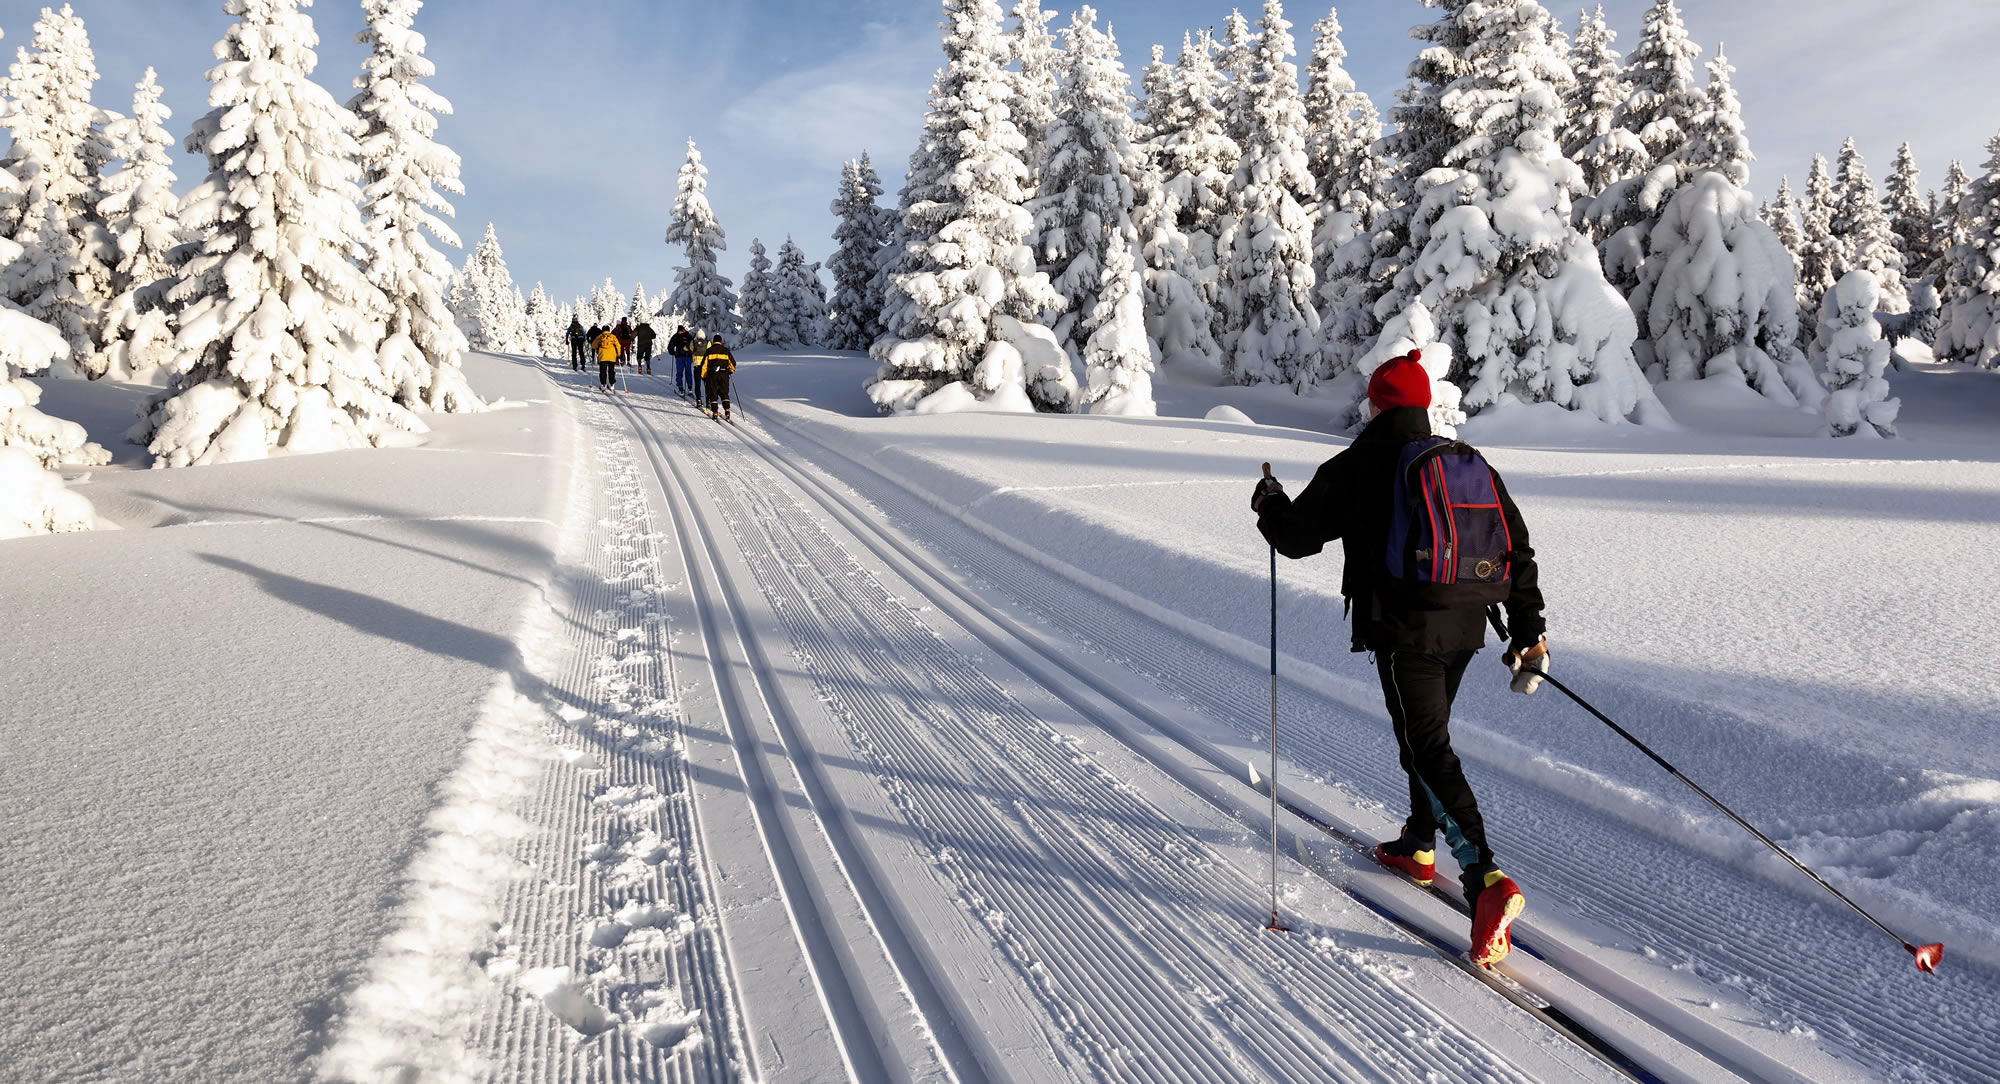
(1804, 961)
(522, 1039)
(982, 796)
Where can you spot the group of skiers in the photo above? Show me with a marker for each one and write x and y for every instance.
(702, 368)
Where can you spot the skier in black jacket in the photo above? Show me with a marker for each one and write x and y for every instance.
(642, 347)
(1420, 655)
(578, 341)
(680, 347)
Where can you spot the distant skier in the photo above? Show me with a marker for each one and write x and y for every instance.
(1421, 634)
(643, 338)
(608, 353)
(680, 347)
(717, 364)
(579, 341)
(624, 333)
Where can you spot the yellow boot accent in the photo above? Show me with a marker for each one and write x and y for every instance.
(1425, 857)
(1492, 877)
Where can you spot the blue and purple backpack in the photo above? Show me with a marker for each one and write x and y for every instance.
(1449, 546)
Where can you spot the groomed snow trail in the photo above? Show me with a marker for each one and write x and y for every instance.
(1807, 968)
(983, 883)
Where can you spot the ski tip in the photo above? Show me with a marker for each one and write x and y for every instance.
(1928, 956)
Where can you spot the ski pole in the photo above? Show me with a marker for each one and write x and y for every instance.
(1274, 924)
(1927, 956)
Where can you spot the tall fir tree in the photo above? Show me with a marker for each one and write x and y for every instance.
(1271, 331)
(63, 276)
(1664, 100)
(406, 175)
(1951, 223)
(1819, 250)
(755, 302)
(1910, 219)
(701, 291)
(859, 240)
(1716, 140)
(1085, 206)
(278, 327)
(1852, 353)
(641, 307)
(1782, 215)
(1512, 288)
(607, 303)
(33, 499)
(1866, 243)
(1031, 48)
(1179, 322)
(1591, 136)
(1236, 60)
(1971, 331)
(141, 212)
(1196, 159)
(1351, 183)
(487, 314)
(965, 294)
(798, 305)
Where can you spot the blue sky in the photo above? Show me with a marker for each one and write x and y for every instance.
(572, 118)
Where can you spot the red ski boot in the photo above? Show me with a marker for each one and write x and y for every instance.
(1409, 858)
(1494, 908)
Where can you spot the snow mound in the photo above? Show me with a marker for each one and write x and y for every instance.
(1725, 403)
(33, 500)
(1227, 413)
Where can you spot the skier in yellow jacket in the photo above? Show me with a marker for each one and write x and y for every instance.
(716, 364)
(608, 349)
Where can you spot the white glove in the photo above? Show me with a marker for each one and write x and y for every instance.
(1528, 667)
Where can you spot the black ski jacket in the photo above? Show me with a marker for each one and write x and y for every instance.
(681, 345)
(1349, 499)
(643, 336)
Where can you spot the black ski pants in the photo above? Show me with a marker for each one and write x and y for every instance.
(718, 392)
(607, 373)
(576, 353)
(1419, 690)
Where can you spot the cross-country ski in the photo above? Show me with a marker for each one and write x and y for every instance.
(1164, 543)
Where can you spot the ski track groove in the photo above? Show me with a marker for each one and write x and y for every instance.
(614, 674)
(1795, 955)
(1249, 1031)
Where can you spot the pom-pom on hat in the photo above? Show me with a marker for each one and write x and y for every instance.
(1400, 382)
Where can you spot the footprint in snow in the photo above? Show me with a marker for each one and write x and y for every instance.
(567, 1000)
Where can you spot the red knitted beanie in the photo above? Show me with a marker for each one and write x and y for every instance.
(1400, 382)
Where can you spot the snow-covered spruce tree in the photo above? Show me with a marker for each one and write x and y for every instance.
(278, 326)
(1118, 355)
(1819, 250)
(1782, 215)
(1085, 204)
(63, 276)
(963, 299)
(522, 337)
(1514, 289)
(1236, 59)
(1851, 351)
(1031, 48)
(1719, 295)
(1591, 136)
(406, 175)
(798, 315)
(1716, 139)
(1910, 220)
(1350, 189)
(33, 499)
(640, 307)
(859, 239)
(1271, 333)
(755, 302)
(1951, 223)
(140, 211)
(1867, 244)
(544, 335)
(1179, 321)
(1196, 159)
(700, 290)
(1661, 112)
(490, 317)
(1971, 330)
(607, 304)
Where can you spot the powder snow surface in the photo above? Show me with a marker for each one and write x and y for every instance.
(261, 747)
